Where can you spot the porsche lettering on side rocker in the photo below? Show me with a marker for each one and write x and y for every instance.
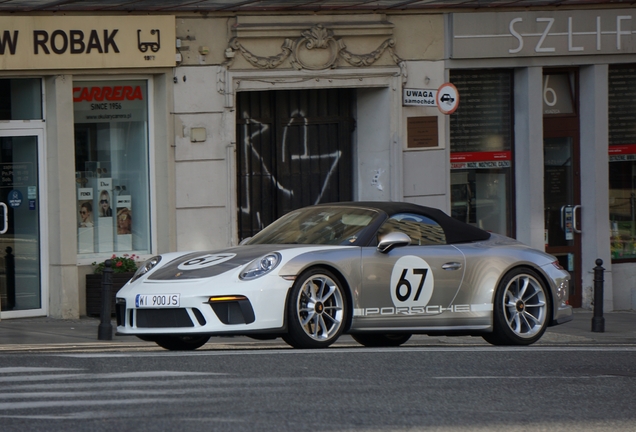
(418, 310)
(378, 271)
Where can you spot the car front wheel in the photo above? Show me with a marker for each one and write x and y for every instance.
(181, 343)
(521, 308)
(316, 311)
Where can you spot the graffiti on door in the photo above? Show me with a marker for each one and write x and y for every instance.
(293, 150)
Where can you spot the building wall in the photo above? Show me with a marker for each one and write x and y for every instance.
(225, 54)
(206, 85)
(62, 284)
(193, 136)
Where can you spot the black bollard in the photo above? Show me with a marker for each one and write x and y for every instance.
(598, 322)
(105, 329)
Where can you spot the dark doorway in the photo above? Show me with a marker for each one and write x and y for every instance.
(294, 149)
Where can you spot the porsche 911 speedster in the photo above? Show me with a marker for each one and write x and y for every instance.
(379, 271)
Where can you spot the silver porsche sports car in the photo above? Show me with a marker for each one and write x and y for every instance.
(379, 271)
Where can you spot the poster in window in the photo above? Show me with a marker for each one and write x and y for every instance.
(105, 223)
(124, 223)
(86, 223)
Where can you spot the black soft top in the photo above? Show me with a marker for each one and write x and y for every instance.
(455, 231)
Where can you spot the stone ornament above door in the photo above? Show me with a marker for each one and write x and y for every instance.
(316, 49)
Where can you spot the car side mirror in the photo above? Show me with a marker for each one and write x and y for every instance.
(392, 240)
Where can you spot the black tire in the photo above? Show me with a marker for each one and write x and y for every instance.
(316, 310)
(181, 343)
(521, 309)
(147, 338)
(381, 340)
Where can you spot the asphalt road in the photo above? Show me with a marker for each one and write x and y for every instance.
(472, 388)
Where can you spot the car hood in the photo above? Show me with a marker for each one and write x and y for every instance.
(206, 264)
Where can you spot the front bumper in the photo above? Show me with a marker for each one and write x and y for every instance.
(208, 306)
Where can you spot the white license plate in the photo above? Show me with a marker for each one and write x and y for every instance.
(157, 300)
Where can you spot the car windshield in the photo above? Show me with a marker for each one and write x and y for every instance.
(317, 225)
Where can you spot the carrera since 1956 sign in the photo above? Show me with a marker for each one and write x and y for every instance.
(99, 102)
(39, 42)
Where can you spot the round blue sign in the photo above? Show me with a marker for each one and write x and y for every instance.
(15, 198)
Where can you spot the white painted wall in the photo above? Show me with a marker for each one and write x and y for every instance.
(201, 168)
(62, 285)
(623, 277)
(373, 157)
(529, 156)
(595, 223)
(426, 175)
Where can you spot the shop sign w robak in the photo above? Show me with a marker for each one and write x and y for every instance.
(70, 42)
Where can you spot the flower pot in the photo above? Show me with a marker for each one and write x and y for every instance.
(94, 292)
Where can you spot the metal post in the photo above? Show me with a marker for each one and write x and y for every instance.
(105, 329)
(598, 322)
(9, 265)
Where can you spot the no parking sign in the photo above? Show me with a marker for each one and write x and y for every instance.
(447, 98)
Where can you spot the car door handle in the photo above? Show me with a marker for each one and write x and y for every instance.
(5, 227)
(452, 266)
(575, 223)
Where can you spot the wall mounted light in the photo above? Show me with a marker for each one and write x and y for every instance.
(197, 134)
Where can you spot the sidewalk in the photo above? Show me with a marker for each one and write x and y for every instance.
(38, 334)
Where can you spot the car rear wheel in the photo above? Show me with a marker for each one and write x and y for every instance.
(521, 308)
(316, 311)
(181, 343)
(381, 340)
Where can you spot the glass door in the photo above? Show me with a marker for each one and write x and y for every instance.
(562, 207)
(20, 246)
(561, 174)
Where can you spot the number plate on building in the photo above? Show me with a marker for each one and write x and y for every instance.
(157, 300)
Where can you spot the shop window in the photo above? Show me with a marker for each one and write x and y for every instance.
(481, 150)
(111, 166)
(21, 99)
(622, 161)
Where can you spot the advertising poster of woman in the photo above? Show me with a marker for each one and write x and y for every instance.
(104, 204)
(124, 223)
(85, 221)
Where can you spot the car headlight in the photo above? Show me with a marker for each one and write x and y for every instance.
(146, 267)
(261, 266)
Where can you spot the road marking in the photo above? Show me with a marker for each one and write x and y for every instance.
(360, 350)
(528, 377)
(104, 376)
(34, 369)
(59, 403)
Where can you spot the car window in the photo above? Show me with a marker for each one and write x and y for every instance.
(421, 230)
(317, 225)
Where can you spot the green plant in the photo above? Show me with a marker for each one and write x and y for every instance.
(119, 264)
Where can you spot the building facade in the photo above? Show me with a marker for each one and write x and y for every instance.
(213, 125)
(85, 104)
